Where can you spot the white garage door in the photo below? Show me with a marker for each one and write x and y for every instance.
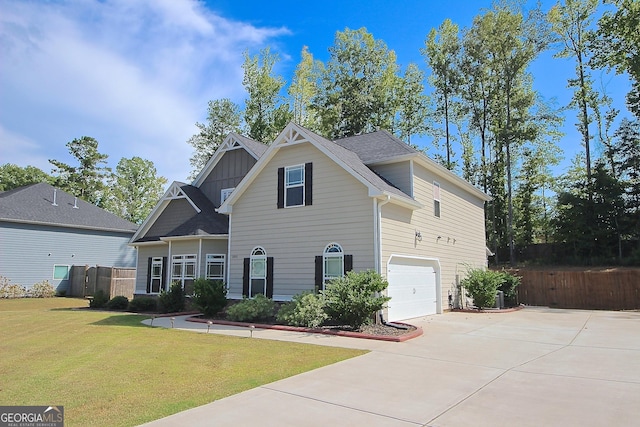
(412, 288)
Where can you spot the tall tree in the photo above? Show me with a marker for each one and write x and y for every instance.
(223, 117)
(133, 189)
(357, 90)
(86, 180)
(13, 176)
(303, 88)
(517, 40)
(266, 113)
(441, 53)
(617, 45)
(570, 22)
(413, 104)
(478, 88)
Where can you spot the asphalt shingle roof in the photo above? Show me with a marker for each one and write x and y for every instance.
(206, 223)
(376, 147)
(35, 204)
(353, 160)
(257, 147)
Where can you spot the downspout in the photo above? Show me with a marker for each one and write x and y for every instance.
(169, 267)
(379, 234)
(227, 260)
(199, 273)
(378, 243)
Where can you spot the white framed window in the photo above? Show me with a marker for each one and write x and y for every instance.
(436, 199)
(294, 186)
(156, 275)
(332, 262)
(225, 193)
(215, 266)
(258, 272)
(183, 271)
(61, 272)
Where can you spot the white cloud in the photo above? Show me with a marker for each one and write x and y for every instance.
(135, 75)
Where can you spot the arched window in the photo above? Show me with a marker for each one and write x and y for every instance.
(258, 272)
(333, 262)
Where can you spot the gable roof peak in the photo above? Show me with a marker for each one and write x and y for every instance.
(233, 141)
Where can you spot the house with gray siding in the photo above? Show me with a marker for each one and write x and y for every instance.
(289, 217)
(44, 231)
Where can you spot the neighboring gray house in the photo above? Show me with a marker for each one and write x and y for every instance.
(44, 231)
(304, 210)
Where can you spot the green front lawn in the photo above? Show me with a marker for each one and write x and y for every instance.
(109, 369)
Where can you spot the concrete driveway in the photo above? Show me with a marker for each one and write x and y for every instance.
(533, 367)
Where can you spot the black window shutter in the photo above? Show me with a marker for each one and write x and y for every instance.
(318, 274)
(308, 184)
(348, 263)
(269, 277)
(280, 188)
(149, 275)
(245, 278)
(165, 273)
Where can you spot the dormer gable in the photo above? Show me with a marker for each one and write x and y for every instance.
(176, 191)
(232, 142)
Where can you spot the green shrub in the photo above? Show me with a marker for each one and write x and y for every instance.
(306, 309)
(482, 285)
(251, 310)
(8, 290)
(509, 286)
(143, 304)
(119, 302)
(99, 299)
(42, 289)
(209, 296)
(173, 300)
(353, 299)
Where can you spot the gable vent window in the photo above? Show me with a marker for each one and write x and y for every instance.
(436, 199)
(295, 186)
(225, 193)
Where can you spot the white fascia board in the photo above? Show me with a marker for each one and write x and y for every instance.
(152, 243)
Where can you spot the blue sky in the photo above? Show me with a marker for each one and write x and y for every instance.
(137, 75)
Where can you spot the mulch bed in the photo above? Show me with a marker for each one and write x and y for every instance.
(488, 310)
(373, 332)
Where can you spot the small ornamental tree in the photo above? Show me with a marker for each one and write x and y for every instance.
(353, 299)
(209, 296)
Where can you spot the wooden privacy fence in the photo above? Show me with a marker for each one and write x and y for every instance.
(596, 289)
(113, 281)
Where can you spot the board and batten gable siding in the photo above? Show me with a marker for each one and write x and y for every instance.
(227, 173)
(456, 238)
(176, 213)
(28, 252)
(398, 174)
(195, 246)
(342, 212)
